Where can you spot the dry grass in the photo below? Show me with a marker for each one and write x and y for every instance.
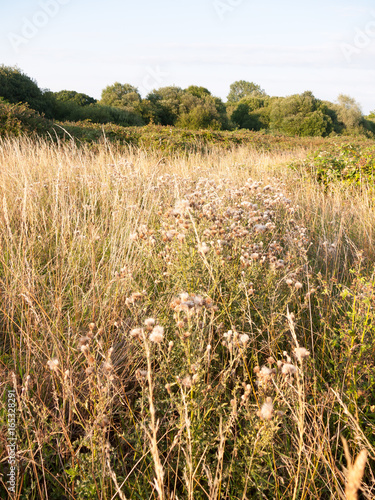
(194, 327)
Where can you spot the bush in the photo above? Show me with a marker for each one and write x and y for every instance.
(350, 163)
(18, 119)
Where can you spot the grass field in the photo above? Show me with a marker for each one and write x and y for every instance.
(184, 326)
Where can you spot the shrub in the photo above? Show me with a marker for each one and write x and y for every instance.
(19, 119)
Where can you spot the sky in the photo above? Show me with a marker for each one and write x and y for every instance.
(286, 47)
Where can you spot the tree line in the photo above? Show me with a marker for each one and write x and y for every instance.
(248, 106)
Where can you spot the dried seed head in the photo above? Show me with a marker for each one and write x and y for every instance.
(53, 364)
(107, 366)
(157, 334)
(264, 375)
(187, 382)
(141, 374)
(90, 359)
(288, 369)
(105, 422)
(85, 348)
(228, 335)
(150, 322)
(137, 333)
(266, 411)
(89, 370)
(301, 352)
(84, 340)
(244, 339)
(203, 248)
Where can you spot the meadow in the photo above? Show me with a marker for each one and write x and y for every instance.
(187, 324)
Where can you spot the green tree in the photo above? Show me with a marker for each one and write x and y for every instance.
(202, 112)
(120, 95)
(241, 88)
(301, 115)
(251, 112)
(125, 97)
(17, 87)
(197, 91)
(162, 106)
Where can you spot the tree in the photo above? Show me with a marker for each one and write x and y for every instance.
(241, 89)
(349, 113)
(251, 112)
(162, 106)
(123, 96)
(17, 87)
(197, 91)
(202, 112)
(300, 114)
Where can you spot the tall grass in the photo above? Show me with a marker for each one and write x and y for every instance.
(196, 327)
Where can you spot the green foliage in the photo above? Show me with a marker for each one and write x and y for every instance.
(198, 91)
(169, 140)
(126, 98)
(349, 163)
(241, 89)
(350, 339)
(251, 113)
(162, 106)
(302, 115)
(349, 116)
(248, 107)
(19, 119)
(17, 87)
(123, 96)
(74, 110)
(202, 112)
(73, 97)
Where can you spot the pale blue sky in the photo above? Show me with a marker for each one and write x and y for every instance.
(285, 46)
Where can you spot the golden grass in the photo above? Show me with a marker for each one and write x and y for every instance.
(192, 326)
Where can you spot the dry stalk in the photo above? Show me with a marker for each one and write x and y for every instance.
(355, 472)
